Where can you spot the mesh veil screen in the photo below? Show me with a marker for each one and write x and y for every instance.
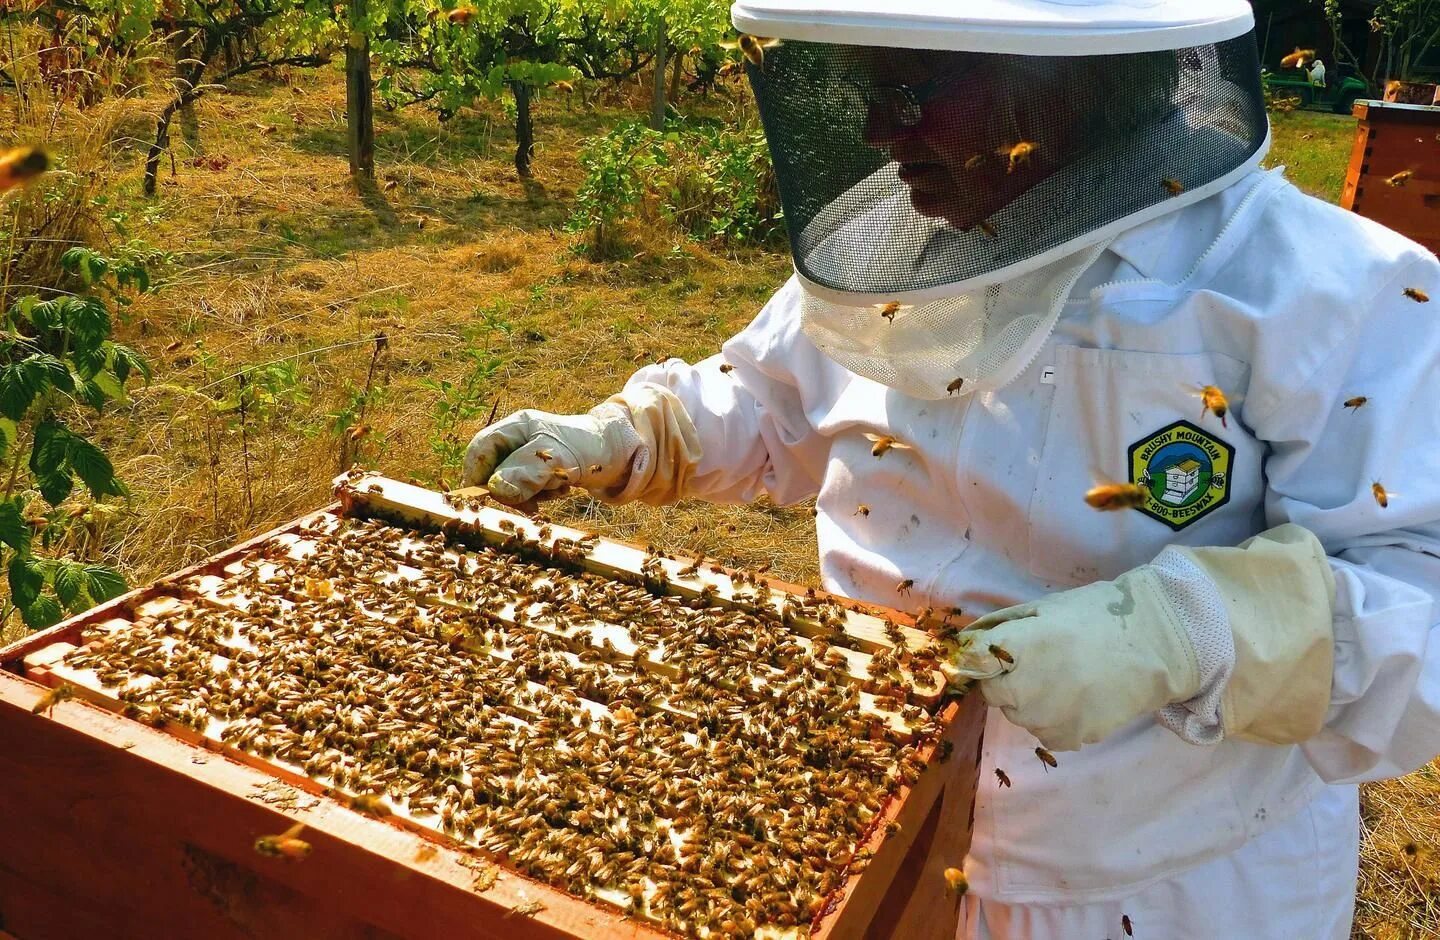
(904, 169)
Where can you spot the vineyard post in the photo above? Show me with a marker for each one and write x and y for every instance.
(657, 97)
(359, 101)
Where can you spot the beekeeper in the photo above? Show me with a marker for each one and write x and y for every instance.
(1033, 245)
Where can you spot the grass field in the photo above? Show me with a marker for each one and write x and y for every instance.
(282, 271)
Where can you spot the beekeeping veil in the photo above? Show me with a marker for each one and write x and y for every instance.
(949, 169)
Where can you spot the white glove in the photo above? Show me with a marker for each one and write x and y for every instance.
(639, 444)
(1218, 641)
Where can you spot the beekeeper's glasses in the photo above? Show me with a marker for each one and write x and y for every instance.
(902, 105)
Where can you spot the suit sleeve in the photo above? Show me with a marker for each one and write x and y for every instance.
(1365, 478)
(755, 434)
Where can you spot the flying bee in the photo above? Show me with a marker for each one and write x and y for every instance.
(975, 161)
(1213, 400)
(1298, 59)
(461, 15)
(955, 386)
(356, 431)
(753, 47)
(61, 693)
(888, 310)
(883, 444)
(1127, 925)
(988, 228)
(726, 368)
(369, 804)
(1002, 654)
(1417, 295)
(1003, 777)
(1399, 179)
(862, 510)
(955, 881)
(1382, 496)
(1046, 758)
(1172, 186)
(287, 844)
(21, 165)
(1110, 497)
(1356, 403)
(561, 474)
(1019, 154)
(904, 586)
(544, 455)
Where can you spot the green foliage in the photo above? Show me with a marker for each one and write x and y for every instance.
(712, 182)
(57, 362)
(457, 404)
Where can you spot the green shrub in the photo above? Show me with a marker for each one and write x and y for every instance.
(710, 182)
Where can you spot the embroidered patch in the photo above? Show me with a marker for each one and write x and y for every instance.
(1187, 471)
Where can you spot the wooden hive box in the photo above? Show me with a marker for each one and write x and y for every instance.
(1390, 139)
(135, 813)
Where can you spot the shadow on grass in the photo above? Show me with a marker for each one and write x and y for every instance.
(374, 200)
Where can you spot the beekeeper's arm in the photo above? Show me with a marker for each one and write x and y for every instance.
(1316, 632)
(675, 430)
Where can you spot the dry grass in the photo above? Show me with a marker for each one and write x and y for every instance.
(278, 260)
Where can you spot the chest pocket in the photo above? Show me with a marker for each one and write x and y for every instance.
(1120, 416)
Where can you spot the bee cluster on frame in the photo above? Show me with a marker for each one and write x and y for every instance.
(701, 761)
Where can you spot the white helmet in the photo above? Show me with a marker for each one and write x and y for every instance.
(947, 169)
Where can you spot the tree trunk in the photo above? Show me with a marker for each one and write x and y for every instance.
(657, 96)
(161, 144)
(677, 72)
(524, 130)
(359, 100)
(187, 47)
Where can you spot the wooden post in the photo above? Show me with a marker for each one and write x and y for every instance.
(657, 97)
(359, 102)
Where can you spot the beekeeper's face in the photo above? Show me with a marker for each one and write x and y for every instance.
(954, 121)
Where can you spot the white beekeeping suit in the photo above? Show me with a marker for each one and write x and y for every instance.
(1217, 661)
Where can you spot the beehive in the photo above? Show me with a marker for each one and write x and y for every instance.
(584, 737)
(1394, 176)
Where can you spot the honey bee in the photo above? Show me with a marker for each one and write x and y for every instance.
(175, 345)
(1381, 495)
(369, 804)
(566, 87)
(904, 586)
(356, 431)
(955, 386)
(975, 161)
(1356, 403)
(1019, 154)
(560, 473)
(753, 47)
(1046, 758)
(955, 881)
(1213, 400)
(21, 165)
(726, 368)
(61, 693)
(1003, 777)
(1126, 925)
(1417, 295)
(1399, 179)
(988, 228)
(1172, 186)
(1298, 59)
(883, 444)
(461, 15)
(1002, 654)
(888, 310)
(287, 844)
(544, 455)
(862, 510)
(1109, 497)
(596, 468)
